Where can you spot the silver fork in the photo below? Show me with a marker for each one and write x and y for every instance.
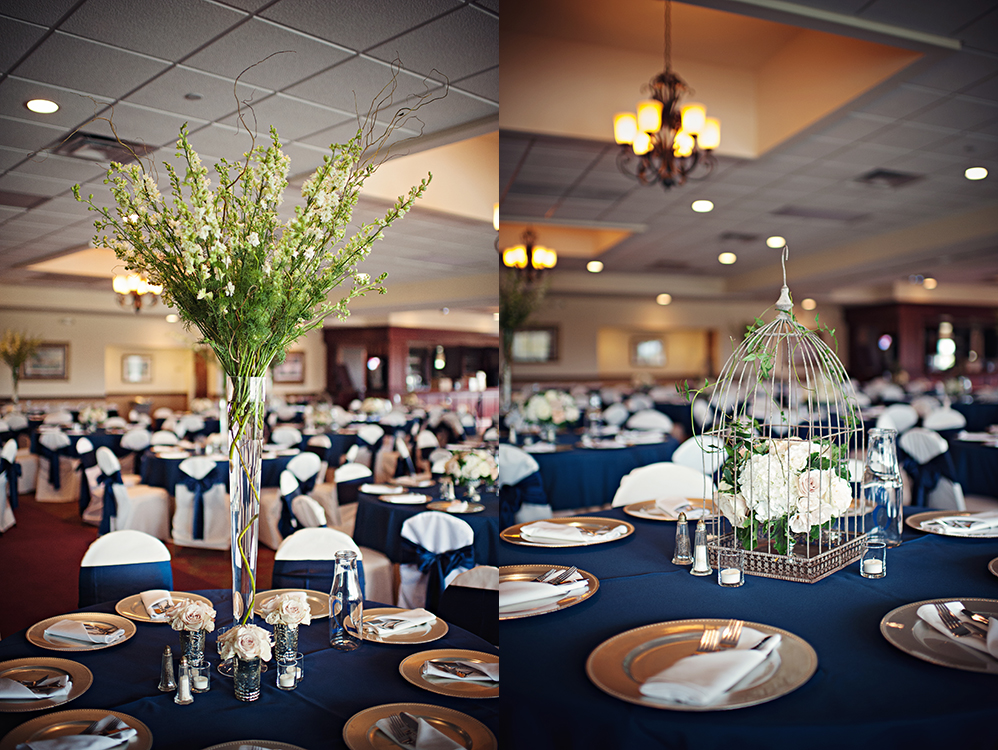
(731, 634)
(559, 578)
(708, 641)
(952, 622)
(401, 731)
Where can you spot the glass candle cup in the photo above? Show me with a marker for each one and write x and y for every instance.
(874, 562)
(730, 567)
(289, 671)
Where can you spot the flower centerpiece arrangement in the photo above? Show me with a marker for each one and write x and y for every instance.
(375, 406)
(92, 416)
(551, 409)
(194, 619)
(248, 646)
(469, 468)
(286, 612)
(248, 282)
(16, 348)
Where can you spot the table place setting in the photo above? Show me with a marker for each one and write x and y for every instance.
(318, 602)
(381, 489)
(37, 683)
(529, 590)
(956, 523)
(961, 633)
(599, 444)
(405, 498)
(417, 726)
(454, 672)
(151, 606)
(397, 625)
(83, 729)
(255, 745)
(455, 506)
(668, 508)
(576, 531)
(80, 631)
(413, 482)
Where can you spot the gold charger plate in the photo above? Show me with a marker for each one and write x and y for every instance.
(317, 601)
(425, 634)
(40, 667)
(993, 566)
(360, 732)
(903, 628)
(263, 744)
(588, 523)
(413, 482)
(620, 665)
(132, 607)
(648, 510)
(541, 606)
(65, 723)
(36, 633)
(411, 667)
(444, 505)
(915, 521)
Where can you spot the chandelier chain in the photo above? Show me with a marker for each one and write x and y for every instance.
(668, 35)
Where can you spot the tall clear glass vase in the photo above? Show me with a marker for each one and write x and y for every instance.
(882, 485)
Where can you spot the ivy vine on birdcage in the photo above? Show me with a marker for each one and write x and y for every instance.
(787, 426)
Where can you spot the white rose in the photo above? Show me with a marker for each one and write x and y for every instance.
(732, 507)
(188, 614)
(804, 519)
(841, 495)
(542, 409)
(812, 483)
(246, 642)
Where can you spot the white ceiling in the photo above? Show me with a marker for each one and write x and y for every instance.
(103, 59)
(933, 120)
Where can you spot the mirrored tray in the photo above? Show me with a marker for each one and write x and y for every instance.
(317, 601)
(40, 667)
(65, 723)
(132, 607)
(36, 633)
(411, 670)
(903, 628)
(541, 606)
(586, 523)
(620, 665)
(423, 634)
(360, 732)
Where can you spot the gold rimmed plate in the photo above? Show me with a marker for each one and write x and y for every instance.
(133, 608)
(411, 669)
(541, 606)
(413, 482)
(447, 507)
(262, 744)
(318, 602)
(918, 519)
(649, 510)
(903, 628)
(36, 633)
(380, 489)
(423, 634)
(590, 525)
(66, 723)
(993, 566)
(39, 668)
(620, 665)
(360, 732)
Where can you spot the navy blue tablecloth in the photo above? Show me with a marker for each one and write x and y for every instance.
(165, 472)
(581, 477)
(379, 525)
(976, 467)
(865, 692)
(335, 686)
(980, 415)
(100, 439)
(680, 414)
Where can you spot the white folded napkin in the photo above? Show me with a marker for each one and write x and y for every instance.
(928, 613)
(517, 592)
(458, 506)
(15, 691)
(409, 498)
(381, 489)
(540, 448)
(703, 679)
(427, 738)
(672, 506)
(411, 619)
(975, 524)
(156, 602)
(77, 631)
(111, 732)
(558, 532)
(491, 671)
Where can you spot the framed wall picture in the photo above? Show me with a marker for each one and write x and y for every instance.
(291, 370)
(50, 362)
(647, 351)
(535, 345)
(136, 368)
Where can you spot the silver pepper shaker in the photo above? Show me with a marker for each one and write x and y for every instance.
(184, 695)
(701, 567)
(166, 681)
(683, 555)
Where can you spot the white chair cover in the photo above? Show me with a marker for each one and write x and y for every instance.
(701, 412)
(892, 392)
(190, 423)
(289, 437)
(304, 466)
(352, 452)
(163, 437)
(427, 439)
(394, 418)
(216, 527)
(886, 422)
(705, 453)
(136, 440)
(479, 577)
(662, 395)
(140, 507)
(7, 519)
(115, 423)
(324, 543)
(308, 512)
(662, 480)
(437, 532)
(16, 421)
(611, 395)
(903, 415)
(163, 412)
(125, 547)
(54, 440)
(350, 471)
(615, 414)
(370, 433)
(515, 464)
(639, 402)
(650, 419)
(69, 490)
(58, 417)
(925, 405)
(945, 418)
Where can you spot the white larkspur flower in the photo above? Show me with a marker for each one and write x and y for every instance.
(253, 238)
(230, 289)
(202, 293)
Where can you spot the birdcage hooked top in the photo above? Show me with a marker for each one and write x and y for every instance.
(784, 304)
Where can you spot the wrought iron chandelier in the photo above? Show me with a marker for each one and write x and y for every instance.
(529, 257)
(665, 142)
(134, 290)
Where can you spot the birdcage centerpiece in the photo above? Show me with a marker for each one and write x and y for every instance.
(787, 424)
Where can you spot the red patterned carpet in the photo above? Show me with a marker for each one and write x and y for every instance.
(40, 563)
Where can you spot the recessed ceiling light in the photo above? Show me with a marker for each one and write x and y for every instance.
(976, 173)
(172, 318)
(702, 207)
(930, 283)
(664, 299)
(193, 96)
(808, 304)
(46, 107)
(727, 258)
(776, 241)
(594, 266)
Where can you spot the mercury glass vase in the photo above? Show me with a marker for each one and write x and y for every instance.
(246, 676)
(285, 641)
(192, 645)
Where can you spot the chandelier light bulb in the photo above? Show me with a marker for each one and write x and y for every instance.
(710, 134)
(594, 266)
(650, 116)
(694, 118)
(684, 144)
(727, 258)
(544, 257)
(776, 241)
(495, 216)
(515, 257)
(976, 173)
(702, 206)
(664, 299)
(625, 127)
(642, 143)
(930, 283)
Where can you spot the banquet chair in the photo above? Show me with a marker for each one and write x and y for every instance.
(521, 491)
(944, 418)
(163, 412)
(163, 437)
(138, 508)
(639, 402)
(892, 392)
(471, 602)
(902, 416)
(189, 424)
(61, 417)
(349, 477)
(133, 445)
(276, 512)
(201, 515)
(394, 418)
(368, 440)
(925, 405)
(702, 414)
(56, 479)
(305, 561)
(28, 461)
(9, 476)
(705, 453)
(123, 563)
(426, 443)
(924, 456)
(615, 414)
(115, 423)
(662, 480)
(442, 544)
(386, 460)
(89, 472)
(649, 419)
(320, 445)
(286, 437)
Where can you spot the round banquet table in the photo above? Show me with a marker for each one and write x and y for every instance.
(165, 472)
(100, 439)
(379, 525)
(584, 477)
(865, 693)
(335, 686)
(980, 414)
(976, 467)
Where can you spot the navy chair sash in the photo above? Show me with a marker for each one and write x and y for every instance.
(110, 503)
(198, 487)
(925, 477)
(305, 486)
(438, 566)
(54, 468)
(103, 583)
(13, 470)
(320, 450)
(314, 575)
(288, 524)
(530, 489)
(87, 460)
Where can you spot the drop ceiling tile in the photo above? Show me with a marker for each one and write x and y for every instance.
(248, 5)
(108, 71)
(7, 213)
(218, 95)
(904, 135)
(969, 145)
(45, 12)
(304, 159)
(926, 16)
(18, 37)
(252, 42)
(168, 30)
(297, 118)
(347, 130)
(922, 163)
(32, 185)
(357, 83)
(29, 136)
(484, 84)
(957, 72)
(986, 89)
(870, 154)
(221, 142)
(962, 111)
(814, 147)
(856, 126)
(139, 124)
(74, 108)
(983, 33)
(452, 110)
(11, 156)
(832, 170)
(903, 101)
(60, 167)
(432, 47)
(22, 229)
